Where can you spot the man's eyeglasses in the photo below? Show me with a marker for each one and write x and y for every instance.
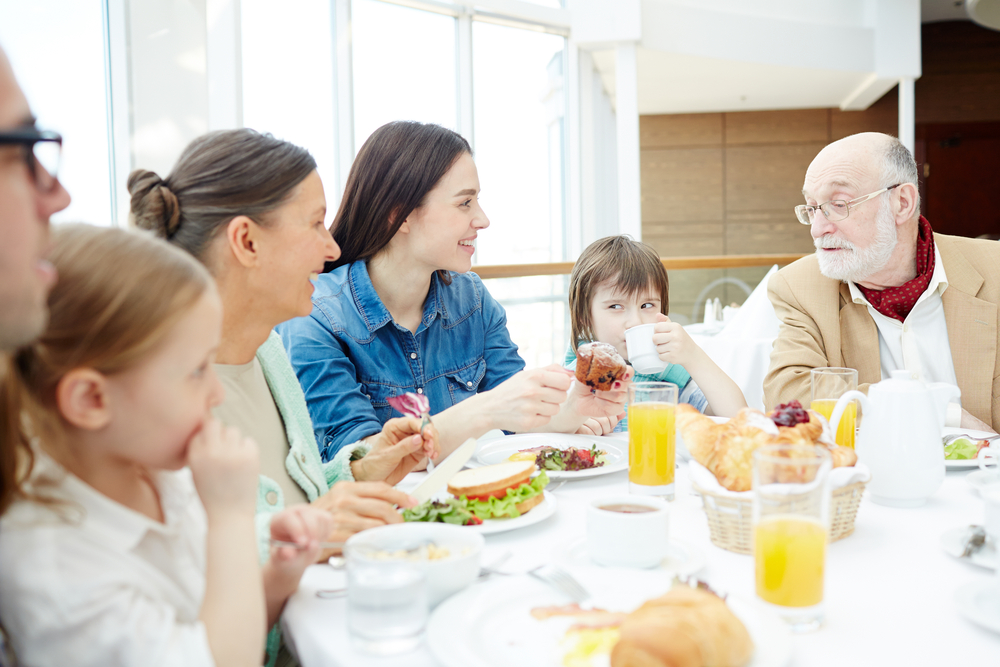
(836, 209)
(42, 154)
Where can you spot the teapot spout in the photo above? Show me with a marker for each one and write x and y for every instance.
(943, 394)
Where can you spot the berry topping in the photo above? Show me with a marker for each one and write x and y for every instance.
(789, 414)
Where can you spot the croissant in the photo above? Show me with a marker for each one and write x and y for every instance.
(687, 627)
(727, 449)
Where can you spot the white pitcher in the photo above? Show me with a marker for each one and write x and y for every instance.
(900, 437)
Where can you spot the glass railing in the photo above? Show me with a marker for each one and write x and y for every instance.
(536, 301)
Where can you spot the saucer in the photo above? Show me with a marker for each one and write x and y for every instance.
(683, 559)
(980, 604)
(951, 542)
(980, 479)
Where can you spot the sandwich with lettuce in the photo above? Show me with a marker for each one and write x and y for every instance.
(501, 491)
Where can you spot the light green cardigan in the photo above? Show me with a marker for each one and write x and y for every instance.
(303, 463)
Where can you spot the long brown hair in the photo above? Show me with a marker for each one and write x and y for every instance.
(631, 266)
(395, 169)
(118, 295)
(219, 176)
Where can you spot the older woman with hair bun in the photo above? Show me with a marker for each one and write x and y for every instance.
(251, 208)
(400, 309)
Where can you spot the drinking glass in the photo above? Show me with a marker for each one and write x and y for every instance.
(386, 603)
(791, 508)
(829, 384)
(651, 435)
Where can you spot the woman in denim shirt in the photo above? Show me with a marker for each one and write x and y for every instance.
(400, 312)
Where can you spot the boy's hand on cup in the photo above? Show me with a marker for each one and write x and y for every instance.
(529, 399)
(357, 506)
(672, 341)
(225, 467)
(397, 450)
(306, 526)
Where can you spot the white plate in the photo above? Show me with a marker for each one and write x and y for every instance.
(498, 450)
(953, 544)
(490, 625)
(965, 464)
(683, 558)
(980, 479)
(980, 604)
(539, 512)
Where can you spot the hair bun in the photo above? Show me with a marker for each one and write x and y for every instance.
(154, 206)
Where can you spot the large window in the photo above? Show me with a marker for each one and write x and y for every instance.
(518, 108)
(288, 79)
(68, 94)
(404, 67)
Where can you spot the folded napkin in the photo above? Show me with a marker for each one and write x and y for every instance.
(839, 477)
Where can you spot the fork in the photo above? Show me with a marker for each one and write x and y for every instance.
(561, 580)
(974, 540)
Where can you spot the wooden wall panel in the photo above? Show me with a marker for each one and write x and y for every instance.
(676, 130)
(883, 116)
(681, 239)
(777, 127)
(760, 178)
(780, 232)
(681, 184)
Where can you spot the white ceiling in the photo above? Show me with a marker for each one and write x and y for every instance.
(684, 83)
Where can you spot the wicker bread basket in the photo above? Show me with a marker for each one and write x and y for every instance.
(730, 520)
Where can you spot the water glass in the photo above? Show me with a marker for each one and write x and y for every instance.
(386, 603)
(828, 385)
(791, 519)
(651, 436)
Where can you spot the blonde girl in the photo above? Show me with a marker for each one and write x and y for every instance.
(618, 283)
(133, 542)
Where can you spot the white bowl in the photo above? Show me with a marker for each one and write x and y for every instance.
(445, 576)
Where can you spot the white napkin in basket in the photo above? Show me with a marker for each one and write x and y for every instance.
(839, 477)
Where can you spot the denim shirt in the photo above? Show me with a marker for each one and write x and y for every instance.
(350, 356)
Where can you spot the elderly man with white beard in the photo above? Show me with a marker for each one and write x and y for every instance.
(883, 292)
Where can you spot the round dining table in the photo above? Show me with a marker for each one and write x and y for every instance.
(890, 589)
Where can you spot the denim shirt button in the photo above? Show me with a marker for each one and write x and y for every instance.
(420, 390)
(413, 355)
(469, 383)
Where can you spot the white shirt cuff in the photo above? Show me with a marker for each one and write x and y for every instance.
(953, 417)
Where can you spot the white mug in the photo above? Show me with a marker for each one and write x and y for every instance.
(628, 531)
(988, 457)
(641, 351)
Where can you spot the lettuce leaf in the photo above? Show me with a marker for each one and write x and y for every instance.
(962, 449)
(452, 510)
(494, 508)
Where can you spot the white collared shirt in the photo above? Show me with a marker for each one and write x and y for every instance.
(92, 582)
(919, 343)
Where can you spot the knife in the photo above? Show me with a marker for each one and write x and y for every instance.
(444, 471)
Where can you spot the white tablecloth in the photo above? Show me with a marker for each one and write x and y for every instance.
(744, 359)
(889, 586)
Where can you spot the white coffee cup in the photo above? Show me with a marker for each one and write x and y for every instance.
(641, 351)
(619, 537)
(988, 457)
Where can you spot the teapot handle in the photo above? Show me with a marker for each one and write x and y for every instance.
(838, 411)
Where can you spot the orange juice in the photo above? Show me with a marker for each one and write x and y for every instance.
(789, 555)
(845, 431)
(651, 434)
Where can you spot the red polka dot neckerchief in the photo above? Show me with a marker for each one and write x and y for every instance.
(897, 302)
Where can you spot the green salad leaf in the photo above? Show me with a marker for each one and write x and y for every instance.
(494, 508)
(962, 449)
(451, 510)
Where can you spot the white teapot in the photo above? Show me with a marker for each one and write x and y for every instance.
(900, 437)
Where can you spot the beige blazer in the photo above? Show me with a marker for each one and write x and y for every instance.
(821, 326)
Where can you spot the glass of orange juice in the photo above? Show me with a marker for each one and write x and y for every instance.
(828, 384)
(651, 436)
(791, 519)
